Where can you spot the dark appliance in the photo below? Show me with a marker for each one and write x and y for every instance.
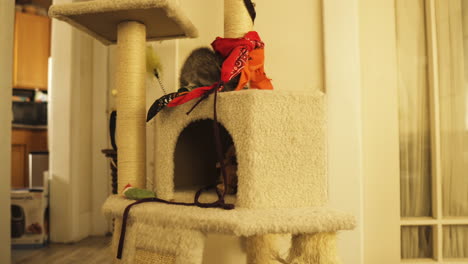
(18, 221)
(30, 113)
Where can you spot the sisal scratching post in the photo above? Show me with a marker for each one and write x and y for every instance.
(237, 21)
(131, 104)
(319, 248)
(262, 249)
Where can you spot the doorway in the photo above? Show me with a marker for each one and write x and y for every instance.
(195, 159)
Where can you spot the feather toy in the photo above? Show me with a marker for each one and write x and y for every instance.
(153, 65)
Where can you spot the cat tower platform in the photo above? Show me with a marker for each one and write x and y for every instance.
(162, 18)
(279, 139)
(178, 233)
(243, 222)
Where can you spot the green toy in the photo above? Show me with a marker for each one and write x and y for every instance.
(134, 193)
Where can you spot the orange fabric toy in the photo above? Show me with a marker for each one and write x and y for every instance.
(254, 72)
(244, 56)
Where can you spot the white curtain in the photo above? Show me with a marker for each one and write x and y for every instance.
(415, 137)
(454, 130)
(415, 124)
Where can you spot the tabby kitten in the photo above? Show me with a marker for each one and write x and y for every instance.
(203, 68)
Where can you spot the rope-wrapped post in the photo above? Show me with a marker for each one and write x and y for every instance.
(131, 104)
(237, 21)
(318, 248)
(262, 249)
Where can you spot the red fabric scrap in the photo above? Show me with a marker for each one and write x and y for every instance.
(243, 56)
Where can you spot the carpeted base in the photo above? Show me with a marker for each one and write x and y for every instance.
(145, 243)
(155, 232)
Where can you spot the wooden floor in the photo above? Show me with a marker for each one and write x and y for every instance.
(90, 250)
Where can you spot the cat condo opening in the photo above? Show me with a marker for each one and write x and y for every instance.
(196, 163)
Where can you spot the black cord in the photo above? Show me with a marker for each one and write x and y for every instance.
(251, 8)
(112, 124)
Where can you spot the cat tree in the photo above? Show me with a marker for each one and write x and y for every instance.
(280, 140)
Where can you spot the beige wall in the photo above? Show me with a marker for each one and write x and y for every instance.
(100, 179)
(77, 133)
(360, 59)
(63, 186)
(291, 32)
(82, 110)
(6, 66)
(207, 15)
(343, 81)
(379, 131)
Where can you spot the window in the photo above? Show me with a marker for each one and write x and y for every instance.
(432, 47)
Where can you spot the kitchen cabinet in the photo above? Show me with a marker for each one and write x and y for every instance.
(31, 51)
(24, 141)
(18, 166)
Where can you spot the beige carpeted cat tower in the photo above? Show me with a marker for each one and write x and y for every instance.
(279, 137)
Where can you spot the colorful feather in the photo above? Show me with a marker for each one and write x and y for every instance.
(160, 103)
